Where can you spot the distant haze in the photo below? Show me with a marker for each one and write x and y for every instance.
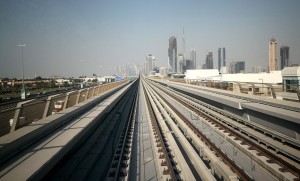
(72, 38)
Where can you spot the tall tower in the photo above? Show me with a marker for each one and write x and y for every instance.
(172, 54)
(221, 58)
(193, 58)
(183, 44)
(272, 55)
(224, 57)
(284, 56)
(209, 61)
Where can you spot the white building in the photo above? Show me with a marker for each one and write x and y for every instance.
(273, 77)
(201, 74)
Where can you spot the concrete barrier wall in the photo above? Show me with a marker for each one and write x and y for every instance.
(5, 116)
(30, 111)
(52, 102)
(82, 95)
(72, 99)
(91, 92)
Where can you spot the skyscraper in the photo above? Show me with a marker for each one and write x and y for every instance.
(224, 58)
(209, 64)
(180, 63)
(237, 67)
(221, 58)
(240, 67)
(284, 56)
(172, 55)
(272, 55)
(193, 58)
(150, 64)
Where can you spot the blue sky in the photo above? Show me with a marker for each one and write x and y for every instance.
(73, 38)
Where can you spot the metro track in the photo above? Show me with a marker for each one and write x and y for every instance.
(105, 153)
(146, 125)
(242, 125)
(217, 124)
(287, 107)
(162, 144)
(48, 156)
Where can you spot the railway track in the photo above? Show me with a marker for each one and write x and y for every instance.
(287, 107)
(121, 144)
(76, 148)
(243, 125)
(121, 160)
(105, 153)
(162, 144)
(271, 157)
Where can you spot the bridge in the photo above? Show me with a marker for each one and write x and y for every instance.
(150, 129)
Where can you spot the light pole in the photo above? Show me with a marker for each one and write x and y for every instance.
(23, 94)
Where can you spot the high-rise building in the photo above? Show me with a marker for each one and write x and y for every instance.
(132, 70)
(150, 64)
(237, 67)
(224, 57)
(181, 63)
(172, 55)
(240, 67)
(209, 64)
(272, 55)
(284, 56)
(221, 58)
(189, 65)
(193, 58)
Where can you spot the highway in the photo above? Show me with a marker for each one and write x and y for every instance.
(151, 129)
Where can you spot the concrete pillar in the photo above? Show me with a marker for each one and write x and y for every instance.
(93, 91)
(47, 106)
(17, 115)
(78, 96)
(67, 99)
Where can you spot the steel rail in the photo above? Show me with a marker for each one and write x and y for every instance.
(157, 131)
(126, 137)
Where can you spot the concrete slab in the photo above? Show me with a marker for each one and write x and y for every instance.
(274, 111)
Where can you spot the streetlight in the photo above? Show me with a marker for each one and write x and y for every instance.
(23, 95)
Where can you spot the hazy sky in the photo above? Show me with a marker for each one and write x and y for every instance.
(73, 38)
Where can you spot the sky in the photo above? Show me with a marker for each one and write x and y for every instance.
(71, 38)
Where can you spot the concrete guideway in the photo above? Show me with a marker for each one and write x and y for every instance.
(273, 167)
(145, 163)
(44, 154)
(171, 135)
(218, 167)
(199, 165)
(269, 116)
(185, 171)
(242, 126)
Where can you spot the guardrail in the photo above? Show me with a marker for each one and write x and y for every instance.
(30, 111)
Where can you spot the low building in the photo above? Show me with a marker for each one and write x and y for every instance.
(201, 74)
(291, 83)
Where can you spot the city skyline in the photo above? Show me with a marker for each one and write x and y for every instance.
(73, 38)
